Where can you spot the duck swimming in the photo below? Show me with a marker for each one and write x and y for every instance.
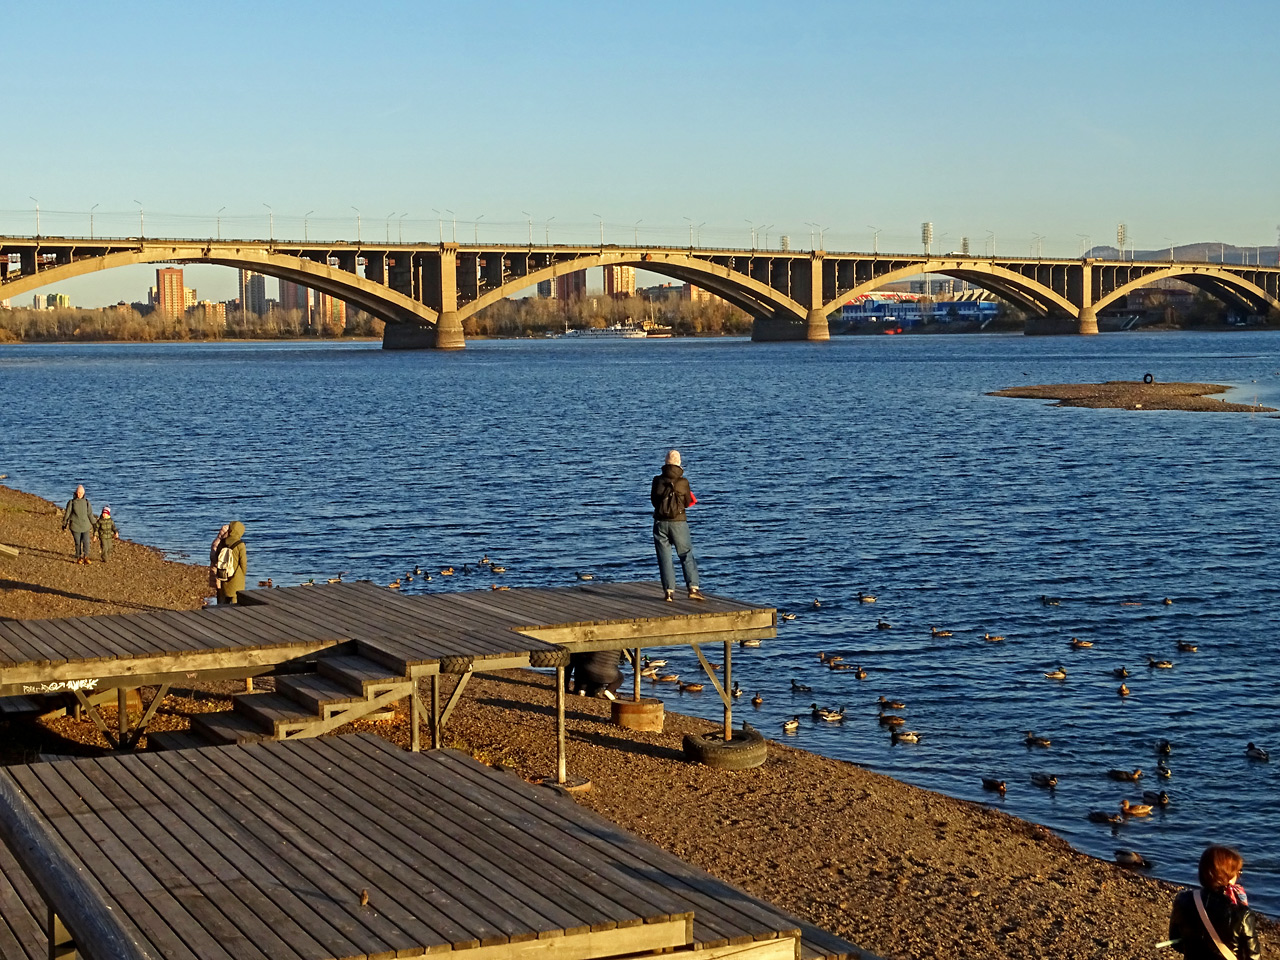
(1120, 673)
(939, 633)
(691, 687)
(1058, 674)
(737, 690)
(1046, 780)
(994, 785)
(800, 687)
(904, 736)
(757, 700)
(1125, 776)
(1078, 644)
(1049, 601)
(826, 713)
(1135, 809)
(1155, 664)
(859, 673)
(1186, 646)
(883, 625)
(1132, 858)
(1104, 816)
(792, 725)
(750, 642)
(992, 638)
(891, 720)
(1257, 753)
(866, 598)
(891, 704)
(1157, 798)
(1031, 740)
(1123, 690)
(1164, 747)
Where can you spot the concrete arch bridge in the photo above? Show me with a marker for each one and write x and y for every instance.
(425, 291)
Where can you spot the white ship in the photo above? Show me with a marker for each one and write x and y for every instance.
(613, 332)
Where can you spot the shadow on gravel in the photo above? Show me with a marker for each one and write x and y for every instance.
(628, 746)
(520, 706)
(40, 588)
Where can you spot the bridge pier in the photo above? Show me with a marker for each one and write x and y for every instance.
(818, 329)
(449, 332)
(1088, 321)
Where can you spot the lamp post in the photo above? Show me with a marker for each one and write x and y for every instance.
(1037, 246)
(357, 225)
(455, 223)
(218, 218)
(766, 230)
(697, 232)
(546, 237)
(690, 220)
(475, 229)
(439, 222)
(386, 237)
(1170, 239)
(530, 216)
(91, 209)
(271, 223)
(142, 221)
(601, 219)
(875, 239)
(635, 232)
(753, 232)
(305, 238)
(822, 236)
(1084, 244)
(37, 203)
(400, 227)
(991, 238)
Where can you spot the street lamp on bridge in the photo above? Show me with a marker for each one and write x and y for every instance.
(357, 224)
(271, 223)
(218, 218)
(601, 219)
(305, 238)
(1084, 244)
(546, 237)
(400, 226)
(1037, 246)
(91, 209)
(766, 230)
(530, 216)
(753, 232)
(439, 222)
(387, 227)
(690, 221)
(875, 239)
(991, 236)
(475, 228)
(1170, 239)
(37, 203)
(142, 221)
(454, 217)
(635, 232)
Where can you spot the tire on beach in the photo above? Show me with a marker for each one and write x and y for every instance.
(747, 749)
(456, 664)
(549, 658)
(1148, 378)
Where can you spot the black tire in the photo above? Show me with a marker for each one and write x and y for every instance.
(549, 658)
(1148, 379)
(456, 664)
(747, 749)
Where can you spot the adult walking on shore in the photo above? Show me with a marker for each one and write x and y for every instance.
(78, 515)
(671, 496)
(230, 564)
(1215, 922)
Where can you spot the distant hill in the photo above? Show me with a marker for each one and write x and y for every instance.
(1212, 252)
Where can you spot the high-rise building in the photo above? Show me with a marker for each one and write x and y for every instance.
(253, 292)
(54, 300)
(619, 281)
(170, 298)
(294, 296)
(547, 289)
(329, 312)
(570, 285)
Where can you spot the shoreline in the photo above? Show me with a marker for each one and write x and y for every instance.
(900, 870)
(1134, 395)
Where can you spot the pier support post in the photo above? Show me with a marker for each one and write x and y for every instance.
(818, 328)
(449, 332)
(1088, 320)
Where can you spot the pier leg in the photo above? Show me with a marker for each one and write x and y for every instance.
(1088, 320)
(562, 767)
(437, 735)
(636, 694)
(728, 688)
(449, 332)
(122, 712)
(818, 328)
(415, 718)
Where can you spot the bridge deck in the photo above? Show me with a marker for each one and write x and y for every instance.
(349, 847)
(272, 627)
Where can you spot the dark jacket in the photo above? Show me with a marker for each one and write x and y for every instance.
(673, 474)
(1235, 925)
(235, 543)
(78, 515)
(105, 528)
(600, 667)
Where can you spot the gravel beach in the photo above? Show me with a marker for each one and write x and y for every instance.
(901, 871)
(1134, 395)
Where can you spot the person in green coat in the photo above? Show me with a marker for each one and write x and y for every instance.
(79, 517)
(105, 528)
(229, 589)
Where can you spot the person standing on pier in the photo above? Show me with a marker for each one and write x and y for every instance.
(671, 496)
(229, 566)
(79, 517)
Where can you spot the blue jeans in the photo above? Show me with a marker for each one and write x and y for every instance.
(674, 533)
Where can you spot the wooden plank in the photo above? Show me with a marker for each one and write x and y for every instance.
(17, 648)
(69, 639)
(8, 551)
(21, 911)
(636, 941)
(93, 630)
(37, 642)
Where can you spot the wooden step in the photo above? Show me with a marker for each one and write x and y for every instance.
(175, 740)
(320, 695)
(275, 712)
(393, 662)
(366, 677)
(227, 726)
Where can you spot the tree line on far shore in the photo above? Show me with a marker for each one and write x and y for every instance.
(125, 324)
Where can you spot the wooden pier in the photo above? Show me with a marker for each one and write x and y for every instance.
(347, 847)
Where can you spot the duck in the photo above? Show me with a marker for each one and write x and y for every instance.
(737, 690)
(859, 673)
(1157, 798)
(645, 661)
(994, 785)
(865, 598)
(816, 603)
(750, 642)
(1031, 740)
(792, 725)
(691, 687)
(1131, 603)
(583, 575)
(1125, 776)
(334, 580)
(1049, 601)
(497, 569)
(904, 736)
(800, 687)
(466, 568)
(1155, 664)
(1186, 646)
(1123, 690)
(1164, 747)
(650, 672)
(1078, 644)
(1046, 780)
(1058, 674)
(394, 585)
(417, 571)
(494, 586)
(1132, 858)
(826, 713)
(837, 665)
(891, 720)
(883, 624)
(757, 700)
(267, 582)
(939, 633)
(1163, 772)
(891, 704)
(668, 678)
(715, 667)
(1167, 602)
(1135, 809)
(784, 615)
(1120, 673)
(1257, 753)
(993, 638)
(408, 578)
(446, 572)
(1105, 816)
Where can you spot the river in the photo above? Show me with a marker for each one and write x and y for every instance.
(872, 464)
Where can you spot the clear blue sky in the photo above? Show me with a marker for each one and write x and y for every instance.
(1014, 118)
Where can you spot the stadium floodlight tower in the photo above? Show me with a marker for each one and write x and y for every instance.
(1122, 237)
(926, 236)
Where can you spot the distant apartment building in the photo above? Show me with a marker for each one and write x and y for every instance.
(694, 294)
(211, 311)
(329, 312)
(169, 299)
(547, 289)
(253, 292)
(571, 285)
(619, 281)
(53, 301)
(4, 304)
(294, 296)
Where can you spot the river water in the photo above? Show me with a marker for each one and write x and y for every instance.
(874, 464)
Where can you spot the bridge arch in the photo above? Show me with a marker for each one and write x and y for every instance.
(1009, 284)
(372, 297)
(1226, 285)
(754, 297)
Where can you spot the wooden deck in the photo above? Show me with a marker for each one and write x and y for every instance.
(345, 847)
(415, 633)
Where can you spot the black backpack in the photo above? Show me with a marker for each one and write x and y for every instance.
(669, 503)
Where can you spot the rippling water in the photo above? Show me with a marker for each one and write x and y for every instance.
(820, 469)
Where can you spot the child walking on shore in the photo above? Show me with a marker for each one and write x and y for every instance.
(105, 529)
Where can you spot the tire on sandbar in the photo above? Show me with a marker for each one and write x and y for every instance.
(549, 658)
(745, 750)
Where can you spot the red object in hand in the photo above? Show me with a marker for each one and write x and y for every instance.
(692, 498)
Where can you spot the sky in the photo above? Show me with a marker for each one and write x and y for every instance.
(993, 120)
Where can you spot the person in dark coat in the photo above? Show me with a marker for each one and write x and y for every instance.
(597, 674)
(671, 496)
(78, 515)
(229, 589)
(105, 529)
(1225, 911)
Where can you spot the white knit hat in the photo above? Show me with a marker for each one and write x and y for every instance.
(673, 457)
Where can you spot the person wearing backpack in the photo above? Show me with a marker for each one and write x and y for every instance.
(230, 564)
(670, 495)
